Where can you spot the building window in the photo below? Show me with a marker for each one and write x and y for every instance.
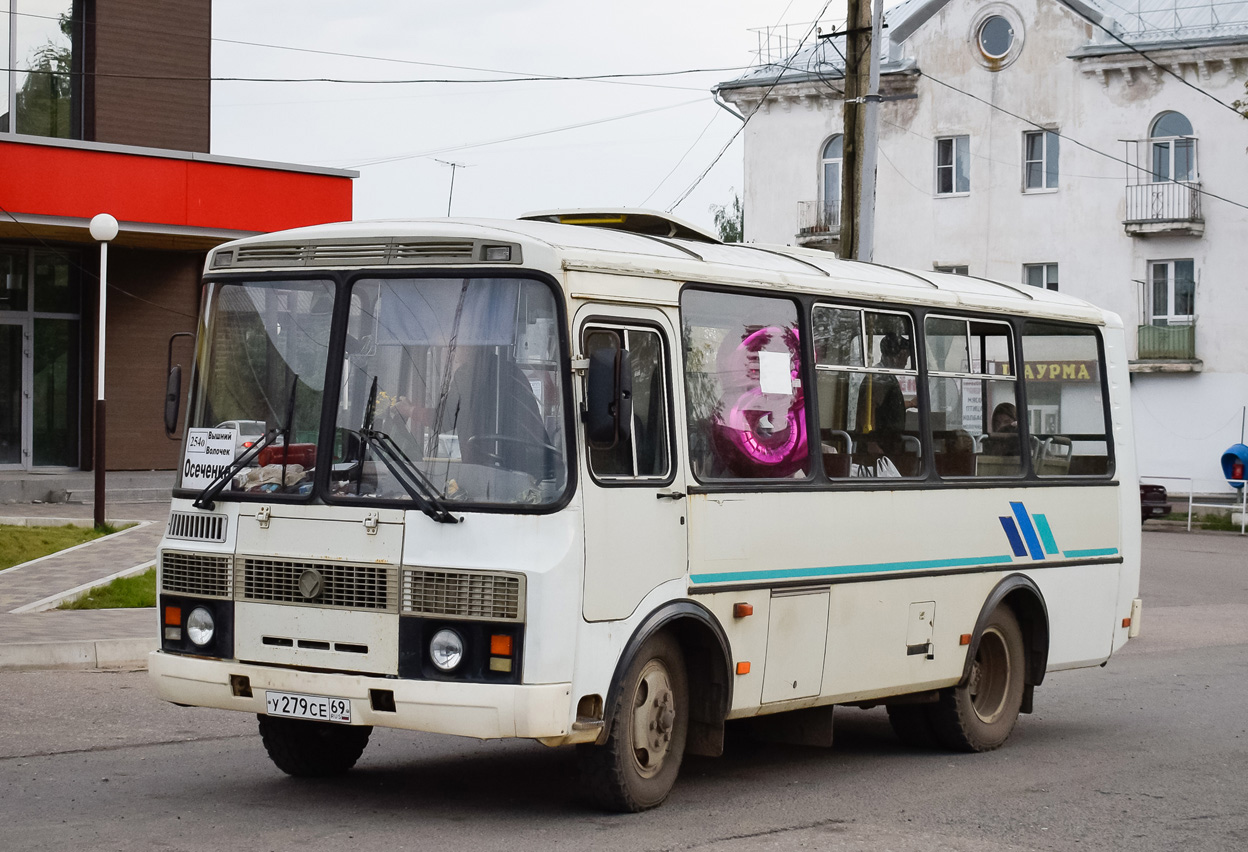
(42, 44)
(1173, 148)
(996, 36)
(953, 165)
(1042, 275)
(952, 270)
(1040, 158)
(830, 173)
(1173, 292)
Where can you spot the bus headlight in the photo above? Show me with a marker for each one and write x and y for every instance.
(200, 626)
(446, 649)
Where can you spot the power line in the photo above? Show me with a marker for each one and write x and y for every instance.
(1154, 62)
(683, 156)
(1038, 126)
(753, 112)
(449, 149)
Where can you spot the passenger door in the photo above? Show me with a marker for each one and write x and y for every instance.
(634, 492)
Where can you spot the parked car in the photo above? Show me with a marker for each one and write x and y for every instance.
(249, 431)
(1154, 502)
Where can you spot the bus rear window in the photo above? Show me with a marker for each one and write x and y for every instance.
(1065, 400)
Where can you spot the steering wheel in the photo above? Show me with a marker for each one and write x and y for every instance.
(496, 458)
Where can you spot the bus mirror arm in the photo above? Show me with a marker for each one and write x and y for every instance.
(608, 410)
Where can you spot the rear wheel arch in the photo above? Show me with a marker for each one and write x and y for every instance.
(1021, 594)
(708, 661)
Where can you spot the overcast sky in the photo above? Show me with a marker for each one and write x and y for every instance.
(392, 133)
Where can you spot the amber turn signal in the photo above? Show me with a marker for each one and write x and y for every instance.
(741, 610)
(1126, 622)
(173, 615)
(964, 639)
(743, 668)
(500, 645)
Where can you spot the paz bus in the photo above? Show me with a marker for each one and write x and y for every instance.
(596, 478)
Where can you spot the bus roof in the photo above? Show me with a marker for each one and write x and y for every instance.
(610, 253)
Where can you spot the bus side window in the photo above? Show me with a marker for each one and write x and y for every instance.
(973, 389)
(1062, 368)
(646, 452)
(867, 382)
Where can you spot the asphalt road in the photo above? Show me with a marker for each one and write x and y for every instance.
(1148, 753)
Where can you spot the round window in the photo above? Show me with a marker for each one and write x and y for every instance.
(996, 36)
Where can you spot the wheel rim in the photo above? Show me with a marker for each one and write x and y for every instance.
(654, 718)
(990, 676)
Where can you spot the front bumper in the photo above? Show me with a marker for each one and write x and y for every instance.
(485, 711)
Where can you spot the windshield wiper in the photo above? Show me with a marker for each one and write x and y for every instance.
(401, 467)
(210, 492)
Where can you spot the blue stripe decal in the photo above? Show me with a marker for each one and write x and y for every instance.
(1046, 534)
(1011, 532)
(1096, 551)
(870, 568)
(1028, 531)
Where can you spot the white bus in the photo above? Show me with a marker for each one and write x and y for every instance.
(599, 479)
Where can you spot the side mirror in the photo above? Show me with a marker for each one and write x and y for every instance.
(173, 399)
(609, 398)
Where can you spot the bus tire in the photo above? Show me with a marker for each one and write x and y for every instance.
(912, 724)
(636, 767)
(308, 749)
(978, 715)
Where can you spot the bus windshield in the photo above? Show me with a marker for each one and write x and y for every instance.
(264, 353)
(460, 377)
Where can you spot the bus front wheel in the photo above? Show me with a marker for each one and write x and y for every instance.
(308, 749)
(637, 766)
(980, 714)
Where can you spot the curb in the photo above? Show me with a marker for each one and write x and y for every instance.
(79, 655)
(55, 600)
(138, 525)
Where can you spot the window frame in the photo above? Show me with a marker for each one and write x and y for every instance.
(826, 161)
(1044, 268)
(1049, 162)
(1171, 319)
(1171, 145)
(952, 166)
(625, 325)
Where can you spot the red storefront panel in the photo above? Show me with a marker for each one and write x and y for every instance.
(54, 181)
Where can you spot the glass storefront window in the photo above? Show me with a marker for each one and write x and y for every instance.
(14, 269)
(55, 397)
(56, 284)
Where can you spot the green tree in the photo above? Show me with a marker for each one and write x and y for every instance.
(730, 220)
(43, 101)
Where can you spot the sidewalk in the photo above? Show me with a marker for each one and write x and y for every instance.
(78, 638)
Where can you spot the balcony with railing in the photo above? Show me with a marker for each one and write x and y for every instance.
(818, 224)
(1163, 191)
(1167, 342)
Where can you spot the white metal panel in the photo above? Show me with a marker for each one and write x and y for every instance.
(302, 625)
(797, 632)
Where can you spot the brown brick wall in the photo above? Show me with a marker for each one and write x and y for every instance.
(166, 285)
(153, 39)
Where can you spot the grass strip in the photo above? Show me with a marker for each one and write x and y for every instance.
(122, 593)
(22, 544)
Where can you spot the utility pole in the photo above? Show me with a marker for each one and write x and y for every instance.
(871, 142)
(858, 48)
(450, 195)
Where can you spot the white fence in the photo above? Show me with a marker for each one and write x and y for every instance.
(1242, 505)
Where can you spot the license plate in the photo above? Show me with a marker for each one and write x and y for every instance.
(318, 707)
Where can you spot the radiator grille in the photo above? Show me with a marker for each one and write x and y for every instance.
(197, 527)
(329, 584)
(200, 574)
(497, 597)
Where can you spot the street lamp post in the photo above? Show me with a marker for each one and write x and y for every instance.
(104, 229)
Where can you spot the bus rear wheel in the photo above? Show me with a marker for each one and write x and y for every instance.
(637, 766)
(308, 749)
(980, 714)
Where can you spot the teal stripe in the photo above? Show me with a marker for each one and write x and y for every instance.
(835, 571)
(1046, 534)
(1096, 551)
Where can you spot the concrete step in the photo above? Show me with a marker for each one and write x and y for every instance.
(79, 486)
(112, 495)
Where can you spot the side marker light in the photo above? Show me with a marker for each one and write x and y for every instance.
(1126, 622)
(742, 610)
(964, 639)
(743, 668)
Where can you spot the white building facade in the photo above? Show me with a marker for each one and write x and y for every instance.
(1080, 145)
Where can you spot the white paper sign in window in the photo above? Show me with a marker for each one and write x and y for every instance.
(775, 373)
